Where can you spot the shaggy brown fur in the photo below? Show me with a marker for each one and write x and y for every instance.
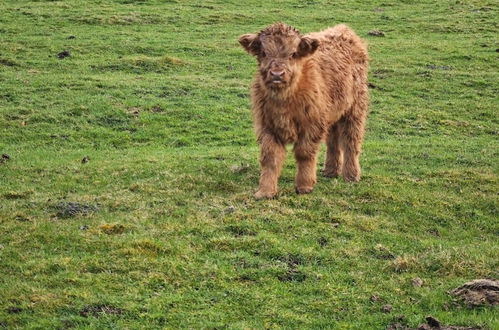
(308, 88)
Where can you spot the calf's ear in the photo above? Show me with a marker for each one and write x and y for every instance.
(307, 46)
(250, 43)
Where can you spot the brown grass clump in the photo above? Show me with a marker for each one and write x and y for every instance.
(112, 229)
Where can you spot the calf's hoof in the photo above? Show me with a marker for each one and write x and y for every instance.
(304, 190)
(264, 194)
(330, 174)
(352, 178)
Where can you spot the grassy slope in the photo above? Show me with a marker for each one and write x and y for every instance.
(155, 93)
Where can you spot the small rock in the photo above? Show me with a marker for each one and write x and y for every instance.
(84, 227)
(386, 308)
(335, 224)
(85, 160)
(374, 298)
(230, 209)
(417, 282)
(63, 54)
(376, 33)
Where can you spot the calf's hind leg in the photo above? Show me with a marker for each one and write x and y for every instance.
(351, 141)
(333, 164)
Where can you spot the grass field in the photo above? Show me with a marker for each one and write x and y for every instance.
(158, 226)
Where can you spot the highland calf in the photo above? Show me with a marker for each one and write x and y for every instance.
(308, 88)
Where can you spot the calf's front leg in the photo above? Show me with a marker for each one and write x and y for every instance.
(306, 159)
(272, 154)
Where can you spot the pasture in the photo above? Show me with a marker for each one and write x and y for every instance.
(130, 163)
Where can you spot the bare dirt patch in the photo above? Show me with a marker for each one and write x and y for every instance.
(100, 310)
(8, 62)
(66, 210)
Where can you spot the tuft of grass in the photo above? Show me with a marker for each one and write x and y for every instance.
(112, 229)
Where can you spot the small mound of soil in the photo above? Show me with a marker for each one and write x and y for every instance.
(4, 158)
(376, 33)
(71, 209)
(14, 310)
(431, 324)
(478, 292)
(63, 54)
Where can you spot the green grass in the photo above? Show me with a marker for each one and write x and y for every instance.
(155, 94)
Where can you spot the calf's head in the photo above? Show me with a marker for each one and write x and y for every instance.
(280, 50)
